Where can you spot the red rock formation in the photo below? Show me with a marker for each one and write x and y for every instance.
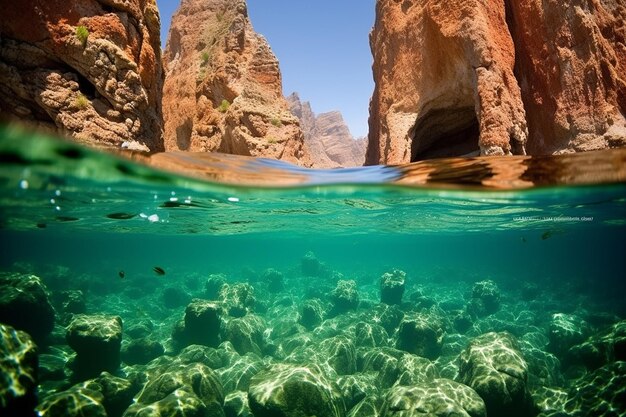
(327, 137)
(458, 77)
(88, 68)
(223, 88)
(571, 67)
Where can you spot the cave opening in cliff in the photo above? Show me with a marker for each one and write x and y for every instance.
(85, 86)
(442, 133)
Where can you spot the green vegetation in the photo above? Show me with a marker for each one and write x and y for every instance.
(81, 102)
(82, 33)
(204, 58)
(271, 140)
(224, 106)
(276, 122)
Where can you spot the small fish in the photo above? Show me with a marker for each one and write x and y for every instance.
(523, 240)
(120, 216)
(122, 274)
(158, 270)
(547, 235)
(42, 225)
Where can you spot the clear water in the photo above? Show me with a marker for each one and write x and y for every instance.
(78, 220)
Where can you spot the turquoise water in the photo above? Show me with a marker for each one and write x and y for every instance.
(77, 220)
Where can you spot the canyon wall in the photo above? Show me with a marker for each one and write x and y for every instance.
(496, 77)
(90, 69)
(327, 137)
(223, 88)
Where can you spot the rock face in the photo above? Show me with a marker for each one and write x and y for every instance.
(223, 88)
(327, 137)
(458, 78)
(90, 69)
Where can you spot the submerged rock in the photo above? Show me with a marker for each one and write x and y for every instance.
(439, 398)
(25, 305)
(485, 299)
(18, 370)
(178, 389)
(274, 279)
(344, 297)
(565, 331)
(601, 393)
(117, 393)
(392, 286)
(238, 299)
(310, 265)
(141, 351)
(214, 285)
(311, 314)
(246, 334)
(422, 335)
(96, 339)
(600, 349)
(75, 402)
(494, 367)
(236, 405)
(291, 391)
(201, 324)
(370, 335)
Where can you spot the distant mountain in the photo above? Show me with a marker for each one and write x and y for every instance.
(327, 137)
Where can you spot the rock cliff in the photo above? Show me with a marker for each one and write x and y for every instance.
(223, 88)
(327, 137)
(491, 77)
(87, 68)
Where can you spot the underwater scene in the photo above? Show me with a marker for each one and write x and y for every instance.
(128, 290)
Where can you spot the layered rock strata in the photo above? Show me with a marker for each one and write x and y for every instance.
(462, 78)
(327, 136)
(223, 88)
(90, 69)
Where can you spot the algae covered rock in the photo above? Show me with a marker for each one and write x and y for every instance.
(600, 393)
(565, 331)
(340, 353)
(274, 280)
(201, 324)
(141, 351)
(599, 349)
(494, 367)
(310, 265)
(439, 398)
(311, 314)
(422, 335)
(292, 391)
(345, 296)
(246, 334)
(178, 389)
(370, 335)
(25, 305)
(74, 402)
(96, 339)
(392, 286)
(117, 393)
(485, 299)
(238, 299)
(18, 367)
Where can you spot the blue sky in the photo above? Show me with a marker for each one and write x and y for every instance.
(323, 49)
